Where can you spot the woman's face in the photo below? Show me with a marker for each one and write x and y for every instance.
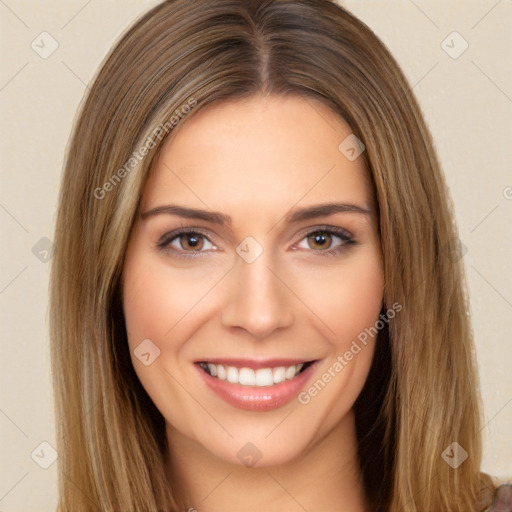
(246, 329)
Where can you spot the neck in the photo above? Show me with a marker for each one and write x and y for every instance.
(327, 477)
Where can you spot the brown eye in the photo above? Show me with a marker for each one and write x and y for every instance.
(185, 243)
(320, 239)
(191, 241)
(327, 241)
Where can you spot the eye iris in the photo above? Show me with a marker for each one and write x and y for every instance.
(320, 238)
(196, 244)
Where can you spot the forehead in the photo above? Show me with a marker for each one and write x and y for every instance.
(273, 152)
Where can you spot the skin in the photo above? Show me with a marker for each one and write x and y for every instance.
(256, 160)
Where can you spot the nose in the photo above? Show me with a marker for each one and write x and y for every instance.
(258, 298)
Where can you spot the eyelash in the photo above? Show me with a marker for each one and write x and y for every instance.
(341, 233)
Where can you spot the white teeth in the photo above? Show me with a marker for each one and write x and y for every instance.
(213, 369)
(290, 372)
(279, 374)
(246, 377)
(249, 377)
(221, 372)
(232, 375)
(264, 377)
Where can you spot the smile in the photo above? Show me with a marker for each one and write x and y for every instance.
(262, 377)
(256, 385)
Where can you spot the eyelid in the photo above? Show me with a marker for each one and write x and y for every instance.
(338, 231)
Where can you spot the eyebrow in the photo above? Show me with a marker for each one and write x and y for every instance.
(294, 216)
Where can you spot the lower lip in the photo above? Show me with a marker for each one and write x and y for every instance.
(258, 398)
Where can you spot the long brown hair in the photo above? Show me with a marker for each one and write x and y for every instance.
(421, 394)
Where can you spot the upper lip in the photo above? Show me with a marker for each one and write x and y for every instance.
(255, 364)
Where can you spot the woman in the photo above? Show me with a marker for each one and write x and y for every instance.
(207, 358)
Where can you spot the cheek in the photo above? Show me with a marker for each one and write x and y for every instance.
(349, 303)
(347, 298)
(155, 304)
(361, 300)
(157, 298)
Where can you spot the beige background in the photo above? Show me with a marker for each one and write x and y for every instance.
(467, 102)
